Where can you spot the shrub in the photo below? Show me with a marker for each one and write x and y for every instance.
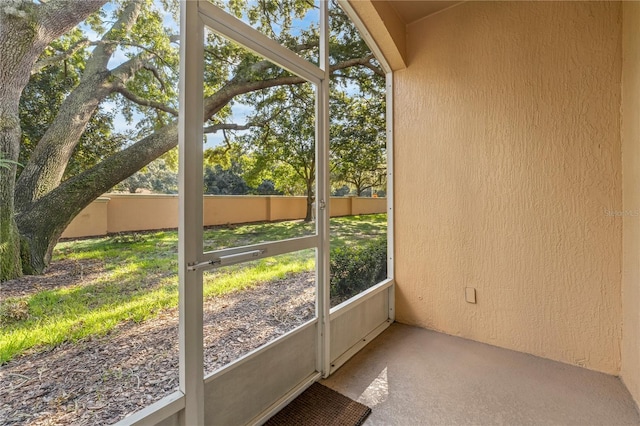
(356, 268)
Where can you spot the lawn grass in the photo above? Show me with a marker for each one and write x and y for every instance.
(140, 279)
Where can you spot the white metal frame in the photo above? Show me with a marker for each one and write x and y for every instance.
(190, 237)
(187, 406)
(366, 36)
(323, 305)
(390, 191)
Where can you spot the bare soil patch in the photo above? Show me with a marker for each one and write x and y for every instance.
(101, 380)
(61, 274)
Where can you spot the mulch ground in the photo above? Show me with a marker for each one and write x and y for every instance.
(101, 380)
(61, 274)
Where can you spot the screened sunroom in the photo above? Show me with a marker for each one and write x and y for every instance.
(512, 174)
(256, 385)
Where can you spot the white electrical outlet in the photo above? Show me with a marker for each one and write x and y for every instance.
(470, 294)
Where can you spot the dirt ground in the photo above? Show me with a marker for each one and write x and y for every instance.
(101, 380)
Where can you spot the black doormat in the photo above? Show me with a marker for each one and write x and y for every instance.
(319, 405)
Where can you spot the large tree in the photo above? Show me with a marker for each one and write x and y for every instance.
(285, 144)
(26, 29)
(358, 141)
(282, 141)
(130, 58)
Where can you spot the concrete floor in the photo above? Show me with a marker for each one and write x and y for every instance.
(412, 376)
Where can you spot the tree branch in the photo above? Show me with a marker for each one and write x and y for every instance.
(373, 68)
(127, 69)
(218, 100)
(138, 46)
(120, 88)
(59, 16)
(72, 195)
(156, 74)
(45, 62)
(230, 126)
(364, 61)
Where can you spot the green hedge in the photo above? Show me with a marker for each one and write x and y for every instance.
(358, 267)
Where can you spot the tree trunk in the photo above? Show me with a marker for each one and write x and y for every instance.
(9, 149)
(310, 200)
(15, 45)
(46, 206)
(49, 159)
(25, 31)
(40, 229)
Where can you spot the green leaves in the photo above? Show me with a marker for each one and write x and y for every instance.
(358, 142)
(355, 268)
(282, 148)
(151, 43)
(285, 145)
(123, 61)
(157, 177)
(6, 164)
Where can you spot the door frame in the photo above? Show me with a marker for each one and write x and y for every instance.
(187, 406)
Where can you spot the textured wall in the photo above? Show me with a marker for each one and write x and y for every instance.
(631, 199)
(508, 177)
(140, 212)
(133, 212)
(91, 221)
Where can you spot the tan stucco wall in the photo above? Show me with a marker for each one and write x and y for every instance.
(630, 371)
(346, 206)
(221, 210)
(91, 221)
(340, 206)
(141, 212)
(368, 205)
(507, 150)
(285, 208)
(131, 212)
